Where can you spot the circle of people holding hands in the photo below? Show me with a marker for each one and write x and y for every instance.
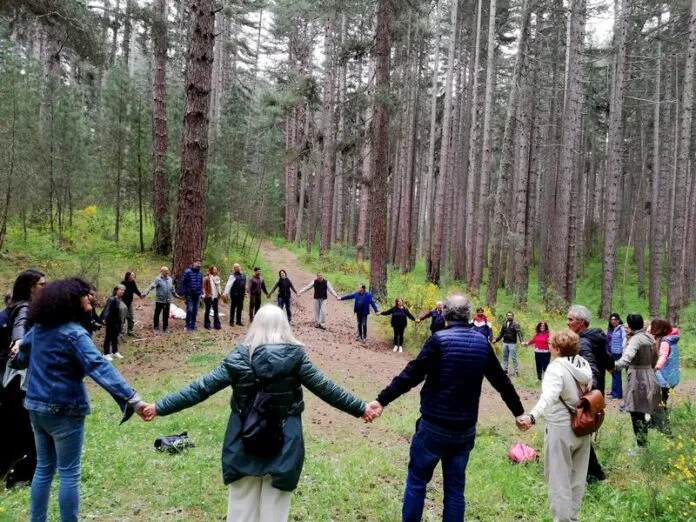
(50, 351)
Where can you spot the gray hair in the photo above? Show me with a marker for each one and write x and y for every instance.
(580, 312)
(457, 308)
(270, 326)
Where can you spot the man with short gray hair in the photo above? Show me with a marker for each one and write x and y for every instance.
(453, 363)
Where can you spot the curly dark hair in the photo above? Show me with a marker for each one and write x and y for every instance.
(25, 282)
(538, 326)
(59, 303)
(660, 327)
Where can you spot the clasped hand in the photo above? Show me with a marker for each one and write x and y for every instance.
(523, 422)
(372, 411)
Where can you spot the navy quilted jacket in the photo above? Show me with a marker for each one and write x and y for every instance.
(192, 282)
(453, 363)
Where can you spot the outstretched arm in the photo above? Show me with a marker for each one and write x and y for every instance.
(196, 392)
(388, 312)
(305, 288)
(409, 315)
(329, 392)
(502, 384)
(330, 289)
(412, 375)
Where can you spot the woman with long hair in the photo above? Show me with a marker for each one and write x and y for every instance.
(616, 340)
(17, 453)
(284, 286)
(542, 356)
(260, 487)
(211, 297)
(59, 353)
(128, 296)
(399, 320)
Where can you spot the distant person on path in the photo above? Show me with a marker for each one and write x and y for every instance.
(510, 333)
(666, 369)
(593, 348)
(566, 456)
(163, 285)
(260, 487)
(59, 354)
(482, 325)
(399, 319)
(437, 317)
(191, 289)
(453, 363)
(284, 286)
(236, 289)
(616, 340)
(211, 295)
(542, 356)
(642, 389)
(321, 290)
(18, 453)
(91, 321)
(113, 315)
(256, 286)
(131, 291)
(361, 308)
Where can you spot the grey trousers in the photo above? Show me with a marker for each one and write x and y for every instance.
(510, 349)
(566, 457)
(320, 311)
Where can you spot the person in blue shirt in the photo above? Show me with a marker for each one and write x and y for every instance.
(616, 340)
(59, 353)
(191, 289)
(437, 322)
(363, 302)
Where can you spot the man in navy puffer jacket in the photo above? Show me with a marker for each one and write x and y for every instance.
(453, 363)
(191, 289)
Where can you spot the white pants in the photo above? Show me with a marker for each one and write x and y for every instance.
(254, 499)
(320, 311)
(566, 457)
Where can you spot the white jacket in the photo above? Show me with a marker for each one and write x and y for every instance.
(562, 379)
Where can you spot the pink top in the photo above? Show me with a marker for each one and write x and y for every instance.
(664, 355)
(540, 342)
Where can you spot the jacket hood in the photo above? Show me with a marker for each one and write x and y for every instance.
(578, 367)
(481, 321)
(595, 335)
(272, 361)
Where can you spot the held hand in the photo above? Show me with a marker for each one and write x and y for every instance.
(376, 407)
(148, 412)
(523, 422)
(15, 348)
(417, 321)
(369, 414)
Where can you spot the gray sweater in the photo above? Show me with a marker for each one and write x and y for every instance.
(164, 289)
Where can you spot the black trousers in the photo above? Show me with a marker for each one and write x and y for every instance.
(236, 307)
(111, 340)
(362, 326)
(399, 334)
(161, 308)
(542, 362)
(18, 452)
(254, 305)
(640, 427)
(211, 304)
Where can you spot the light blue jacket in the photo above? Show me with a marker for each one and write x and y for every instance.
(164, 289)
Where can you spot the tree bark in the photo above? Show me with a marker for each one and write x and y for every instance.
(656, 210)
(328, 156)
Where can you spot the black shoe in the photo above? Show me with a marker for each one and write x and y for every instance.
(597, 477)
(240, 324)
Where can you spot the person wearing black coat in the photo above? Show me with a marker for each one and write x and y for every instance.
(399, 319)
(92, 322)
(131, 291)
(284, 286)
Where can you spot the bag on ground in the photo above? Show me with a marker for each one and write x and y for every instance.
(520, 453)
(174, 443)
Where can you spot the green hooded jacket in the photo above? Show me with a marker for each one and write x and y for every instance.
(288, 368)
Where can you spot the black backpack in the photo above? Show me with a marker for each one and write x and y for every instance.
(262, 425)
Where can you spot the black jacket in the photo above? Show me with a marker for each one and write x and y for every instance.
(284, 286)
(593, 348)
(510, 333)
(399, 316)
(131, 290)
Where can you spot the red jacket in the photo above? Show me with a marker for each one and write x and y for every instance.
(540, 342)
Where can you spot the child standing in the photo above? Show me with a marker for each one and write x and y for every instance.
(400, 315)
(113, 315)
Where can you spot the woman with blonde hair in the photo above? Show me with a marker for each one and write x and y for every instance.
(260, 488)
(566, 456)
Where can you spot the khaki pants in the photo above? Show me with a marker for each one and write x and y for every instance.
(566, 458)
(254, 499)
(320, 311)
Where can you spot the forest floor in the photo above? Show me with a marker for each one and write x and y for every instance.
(353, 471)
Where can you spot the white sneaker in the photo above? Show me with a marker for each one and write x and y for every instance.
(108, 357)
(396, 348)
(118, 355)
(401, 349)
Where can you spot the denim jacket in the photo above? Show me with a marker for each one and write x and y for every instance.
(58, 360)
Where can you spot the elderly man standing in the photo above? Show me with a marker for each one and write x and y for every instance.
(593, 348)
(322, 289)
(236, 289)
(453, 363)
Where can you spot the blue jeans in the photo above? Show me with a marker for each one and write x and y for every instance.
(58, 444)
(616, 384)
(510, 349)
(285, 302)
(192, 301)
(430, 445)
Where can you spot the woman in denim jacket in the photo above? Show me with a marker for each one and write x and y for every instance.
(59, 353)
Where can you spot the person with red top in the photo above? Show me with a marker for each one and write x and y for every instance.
(542, 356)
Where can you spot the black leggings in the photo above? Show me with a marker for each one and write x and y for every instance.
(161, 308)
(399, 334)
(111, 340)
(542, 360)
(640, 427)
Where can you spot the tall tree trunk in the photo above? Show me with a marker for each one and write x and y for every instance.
(656, 208)
(162, 241)
(328, 156)
(188, 242)
(339, 208)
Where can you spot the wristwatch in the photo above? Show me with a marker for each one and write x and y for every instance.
(531, 417)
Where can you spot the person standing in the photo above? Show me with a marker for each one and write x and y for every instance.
(128, 296)
(482, 325)
(163, 285)
(453, 363)
(191, 289)
(235, 289)
(542, 356)
(59, 354)
(399, 319)
(91, 321)
(593, 348)
(18, 453)
(256, 286)
(113, 315)
(642, 389)
(566, 456)
(667, 367)
(437, 318)
(361, 308)
(322, 288)
(510, 333)
(284, 286)
(211, 295)
(616, 340)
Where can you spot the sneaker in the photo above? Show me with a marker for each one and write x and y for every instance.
(401, 349)
(322, 327)
(396, 349)
(108, 357)
(156, 331)
(240, 323)
(118, 355)
(165, 331)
